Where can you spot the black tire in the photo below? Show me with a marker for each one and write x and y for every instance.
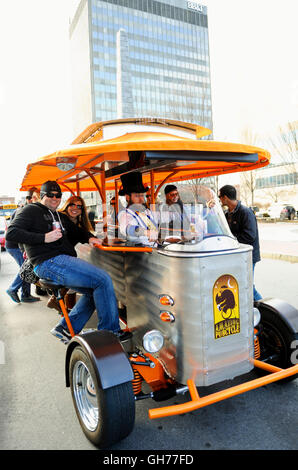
(109, 414)
(276, 341)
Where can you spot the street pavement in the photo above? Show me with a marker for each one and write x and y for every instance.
(279, 240)
(36, 410)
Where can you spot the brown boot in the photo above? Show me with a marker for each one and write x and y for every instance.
(53, 303)
(70, 300)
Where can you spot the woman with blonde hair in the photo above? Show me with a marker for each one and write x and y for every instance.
(75, 209)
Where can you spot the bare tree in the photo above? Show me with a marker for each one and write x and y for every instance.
(211, 182)
(272, 193)
(284, 148)
(249, 178)
(284, 144)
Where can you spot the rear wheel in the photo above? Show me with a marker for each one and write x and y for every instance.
(106, 416)
(276, 342)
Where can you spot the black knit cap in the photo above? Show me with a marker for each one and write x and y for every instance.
(169, 188)
(50, 186)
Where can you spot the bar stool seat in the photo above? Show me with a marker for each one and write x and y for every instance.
(57, 292)
(48, 284)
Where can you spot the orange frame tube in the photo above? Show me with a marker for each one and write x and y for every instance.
(197, 402)
(65, 314)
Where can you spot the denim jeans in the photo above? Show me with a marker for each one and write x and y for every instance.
(257, 295)
(89, 280)
(18, 283)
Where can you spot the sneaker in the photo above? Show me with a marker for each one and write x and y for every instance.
(14, 296)
(62, 333)
(123, 335)
(30, 298)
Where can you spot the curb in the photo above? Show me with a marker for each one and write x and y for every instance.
(280, 256)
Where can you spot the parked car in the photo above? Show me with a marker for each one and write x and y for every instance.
(281, 211)
(274, 211)
(255, 209)
(262, 213)
(288, 212)
(3, 228)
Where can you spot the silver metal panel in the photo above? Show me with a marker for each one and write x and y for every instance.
(190, 349)
(111, 262)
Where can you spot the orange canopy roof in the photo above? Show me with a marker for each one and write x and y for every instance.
(168, 157)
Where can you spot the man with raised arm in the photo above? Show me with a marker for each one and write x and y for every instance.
(49, 239)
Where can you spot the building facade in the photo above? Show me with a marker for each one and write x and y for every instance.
(277, 183)
(140, 58)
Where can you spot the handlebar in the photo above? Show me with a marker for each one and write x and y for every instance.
(135, 249)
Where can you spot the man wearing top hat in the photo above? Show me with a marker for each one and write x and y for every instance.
(137, 223)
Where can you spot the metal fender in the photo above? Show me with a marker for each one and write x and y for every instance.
(110, 361)
(282, 309)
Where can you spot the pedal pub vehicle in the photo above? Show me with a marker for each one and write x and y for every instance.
(188, 302)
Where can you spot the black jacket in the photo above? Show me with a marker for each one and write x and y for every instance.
(9, 244)
(30, 226)
(244, 227)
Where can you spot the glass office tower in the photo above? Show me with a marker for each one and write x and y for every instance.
(140, 58)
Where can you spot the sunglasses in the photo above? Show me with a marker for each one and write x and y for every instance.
(78, 206)
(52, 195)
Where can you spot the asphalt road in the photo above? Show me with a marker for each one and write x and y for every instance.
(36, 411)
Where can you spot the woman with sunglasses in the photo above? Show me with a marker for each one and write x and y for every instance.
(75, 209)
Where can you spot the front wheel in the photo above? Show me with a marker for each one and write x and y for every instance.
(106, 416)
(276, 342)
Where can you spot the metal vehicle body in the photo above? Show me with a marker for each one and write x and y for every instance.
(188, 303)
(3, 228)
(255, 210)
(7, 210)
(281, 211)
(288, 212)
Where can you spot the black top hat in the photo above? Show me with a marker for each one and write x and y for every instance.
(132, 183)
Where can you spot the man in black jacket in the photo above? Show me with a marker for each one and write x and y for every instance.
(243, 224)
(49, 239)
(14, 250)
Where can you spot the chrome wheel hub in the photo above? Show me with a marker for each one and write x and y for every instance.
(85, 395)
